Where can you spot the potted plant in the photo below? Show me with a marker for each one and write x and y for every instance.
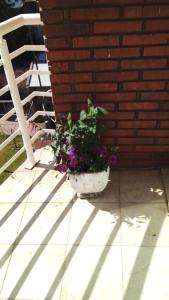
(79, 151)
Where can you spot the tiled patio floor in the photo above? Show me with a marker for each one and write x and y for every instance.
(55, 246)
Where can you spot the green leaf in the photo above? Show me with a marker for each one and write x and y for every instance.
(83, 115)
(102, 111)
(89, 103)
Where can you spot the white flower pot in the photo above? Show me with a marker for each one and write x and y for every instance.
(86, 183)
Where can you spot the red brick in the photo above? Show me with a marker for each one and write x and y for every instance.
(137, 155)
(109, 106)
(71, 78)
(116, 53)
(137, 124)
(108, 141)
(124, 163)
(124, 148)
(151, 163)
(145, 39)
(62, 107)
(155, 96)
(94, 14)
(119, 133)
(164, 124)
(141, 86)
(50, 4)
(116, 97)
(117, 76)
(117, 1)
(154, 148)
(163, 141)
(110, 124)
(157, 25)
(154, 115)
(96, 87)
(138, 106)
(57, 43)
(154, 1)
(162, 74)
(135, 141)
(68, 55)
(158, 11)
(61, 88)
(95, 41)
(71, 98)
(143, 64)
(59, 67)
(117, 27)
(101, 65)
(156, 51)
(52, 17)
(66, 30)
(153, 133)
(120, 116)
(164, 105)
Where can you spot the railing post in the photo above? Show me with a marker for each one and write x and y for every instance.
(10, 75)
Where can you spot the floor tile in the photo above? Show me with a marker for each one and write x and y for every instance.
(92, 272)
(48, 183)
(3, 263)
(145, 273)
(10, 218)
(95, 224)
(32, 271)
(145, 224)
(17, 187)
(46, 223)
(141, 186)
(165, 177)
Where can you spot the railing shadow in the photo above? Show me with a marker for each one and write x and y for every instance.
(147, 246)
(132, 218)
(31, 221)
(21, 198)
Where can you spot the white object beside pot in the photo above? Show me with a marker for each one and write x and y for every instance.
(86, 183)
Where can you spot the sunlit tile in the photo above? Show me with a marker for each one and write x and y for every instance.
(95, 224)
(144, 224)
(141, 186)
(145, 273)
(32, 271)
(46, 223)
(92, 272)
(10, 218)
(4, 262)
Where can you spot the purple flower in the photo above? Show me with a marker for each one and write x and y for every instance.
(72, 148)
(65, 141)
(73, 163)
(112, 159)
(61, 168)
(101, 151)
(72, 154)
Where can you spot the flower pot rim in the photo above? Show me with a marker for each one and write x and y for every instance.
(83, 173)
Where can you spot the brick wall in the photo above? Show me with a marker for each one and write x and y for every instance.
(115, 52)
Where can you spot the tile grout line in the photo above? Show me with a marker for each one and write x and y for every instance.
(164, 188)
(121, 246)
(66, 245)
(14, 245)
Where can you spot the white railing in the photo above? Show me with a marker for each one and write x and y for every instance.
(12, 86)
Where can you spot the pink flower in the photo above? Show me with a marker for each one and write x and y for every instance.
(72, 154)
(73, 163)
(61, 168)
